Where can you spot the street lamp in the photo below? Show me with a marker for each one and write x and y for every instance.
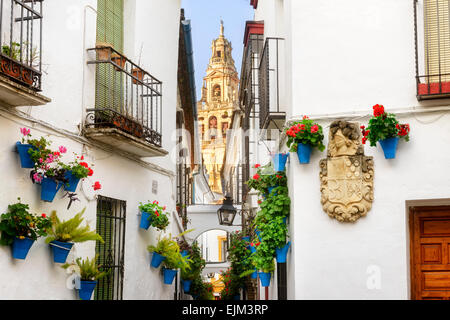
(226, 212)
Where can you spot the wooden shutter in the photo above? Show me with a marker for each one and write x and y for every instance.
(437, 40)
(109, 82)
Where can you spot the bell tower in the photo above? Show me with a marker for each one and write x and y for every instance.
(219, 99)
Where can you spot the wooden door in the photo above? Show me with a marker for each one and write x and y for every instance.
(430, 258)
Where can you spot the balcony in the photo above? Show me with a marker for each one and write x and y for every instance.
(21, 53)
(128, 107)
(432, 45)
(272, 117)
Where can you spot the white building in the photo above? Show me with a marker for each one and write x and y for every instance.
(334, 60)
(135, 160)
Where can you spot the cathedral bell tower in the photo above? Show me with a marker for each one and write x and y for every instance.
(219, 99)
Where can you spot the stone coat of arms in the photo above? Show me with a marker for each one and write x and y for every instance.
(346, 175)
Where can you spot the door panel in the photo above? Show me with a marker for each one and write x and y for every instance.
(430, 246)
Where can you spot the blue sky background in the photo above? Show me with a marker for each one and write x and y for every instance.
(205, 16)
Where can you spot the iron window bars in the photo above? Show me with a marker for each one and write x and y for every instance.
(432, 48)
(21, 41)
(269, 83)
(111, 217)
(130, 101)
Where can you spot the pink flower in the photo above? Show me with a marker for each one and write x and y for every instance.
(37, 178)
(314, 128)
(25, 132)
(62, 149)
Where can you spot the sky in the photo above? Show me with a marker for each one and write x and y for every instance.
(205, 16)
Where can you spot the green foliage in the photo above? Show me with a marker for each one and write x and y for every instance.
(160, 218)
(196, 264)
(12, 51)
(266, 177)
(305, 131)
(19, 222)
(383, 126)
(70, 230)
(203, 290)
(87, 269)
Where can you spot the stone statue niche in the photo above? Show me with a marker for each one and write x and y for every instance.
(346, 175)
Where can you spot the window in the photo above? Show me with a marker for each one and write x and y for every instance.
(111, 227)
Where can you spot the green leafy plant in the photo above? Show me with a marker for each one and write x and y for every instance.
(305, 131)
(79, 169)
(19, 222)
(70, 230)
(13, 51)
(201, 289)
(265, 177)
(160, 218)
(87, 269)
(196, 264)
(383, 126)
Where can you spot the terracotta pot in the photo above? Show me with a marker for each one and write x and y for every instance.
(138, 73)
(119, 60)
(103, 50)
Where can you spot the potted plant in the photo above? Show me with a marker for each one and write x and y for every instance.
(152, 214)
(164, 246)
(23, 149)
(89, 273)
(279, 161)
(119, 60)
(303, 136)
(196, 265)
(384, 128)
(74, 172)
(139, 74)
(63, 235)
(104, 50)
(21, 229)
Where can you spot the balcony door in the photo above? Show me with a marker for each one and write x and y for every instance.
(110, 82)
(430, 253)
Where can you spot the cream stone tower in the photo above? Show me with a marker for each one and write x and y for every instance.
(219, 99)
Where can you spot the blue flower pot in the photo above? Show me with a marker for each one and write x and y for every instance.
(281, 253)
(252, 249)
(265, 278)
(389, 147)
(146, 220)
(304, 152)
(258, 233)
(285, 220)
(86, 289)
(20, 247)
(72, 183)
(237, 297)
(279, 161)
(60, 250)
(254, 275)
(156, 260)
(247, 238)
(49, 189)
(186, 285)
(25, 159)
(270, 189)
(169, 275)
(184, 253)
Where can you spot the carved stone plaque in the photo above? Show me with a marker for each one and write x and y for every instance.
(346, 175)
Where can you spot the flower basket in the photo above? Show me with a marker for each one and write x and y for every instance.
(264, 277)
(186, 285)
(146, 220)
(72, 183)
(86, 289)
(157, 259)
(60, 250)
(169, 275)
(304, 153)
(281, 253)
(279, 161)
(25, 158)
(389, 147)
(49, 189)
(20, 248)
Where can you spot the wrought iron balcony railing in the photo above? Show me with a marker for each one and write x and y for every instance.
(128, 98)
(432, 46)
(21, 41)
(269, 85)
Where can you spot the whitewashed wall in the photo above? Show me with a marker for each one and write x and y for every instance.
(344, 57)
(69, 29)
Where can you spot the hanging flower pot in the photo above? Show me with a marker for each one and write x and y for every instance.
(279, 161)
(281, 253)
(20, 247)
(254, 275)
(60, 250)
(303, 152)
(72, 183)
(265, 278)
(247, 238)
(184, 253)
(186, 285)
(119, 60)
(389, 147)
(86, 289)
(258, 234)
(156, 260)
(146, 220)
(138, 73)
(237, 297)
(49, 189)
(169, 275)
(25, 159)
